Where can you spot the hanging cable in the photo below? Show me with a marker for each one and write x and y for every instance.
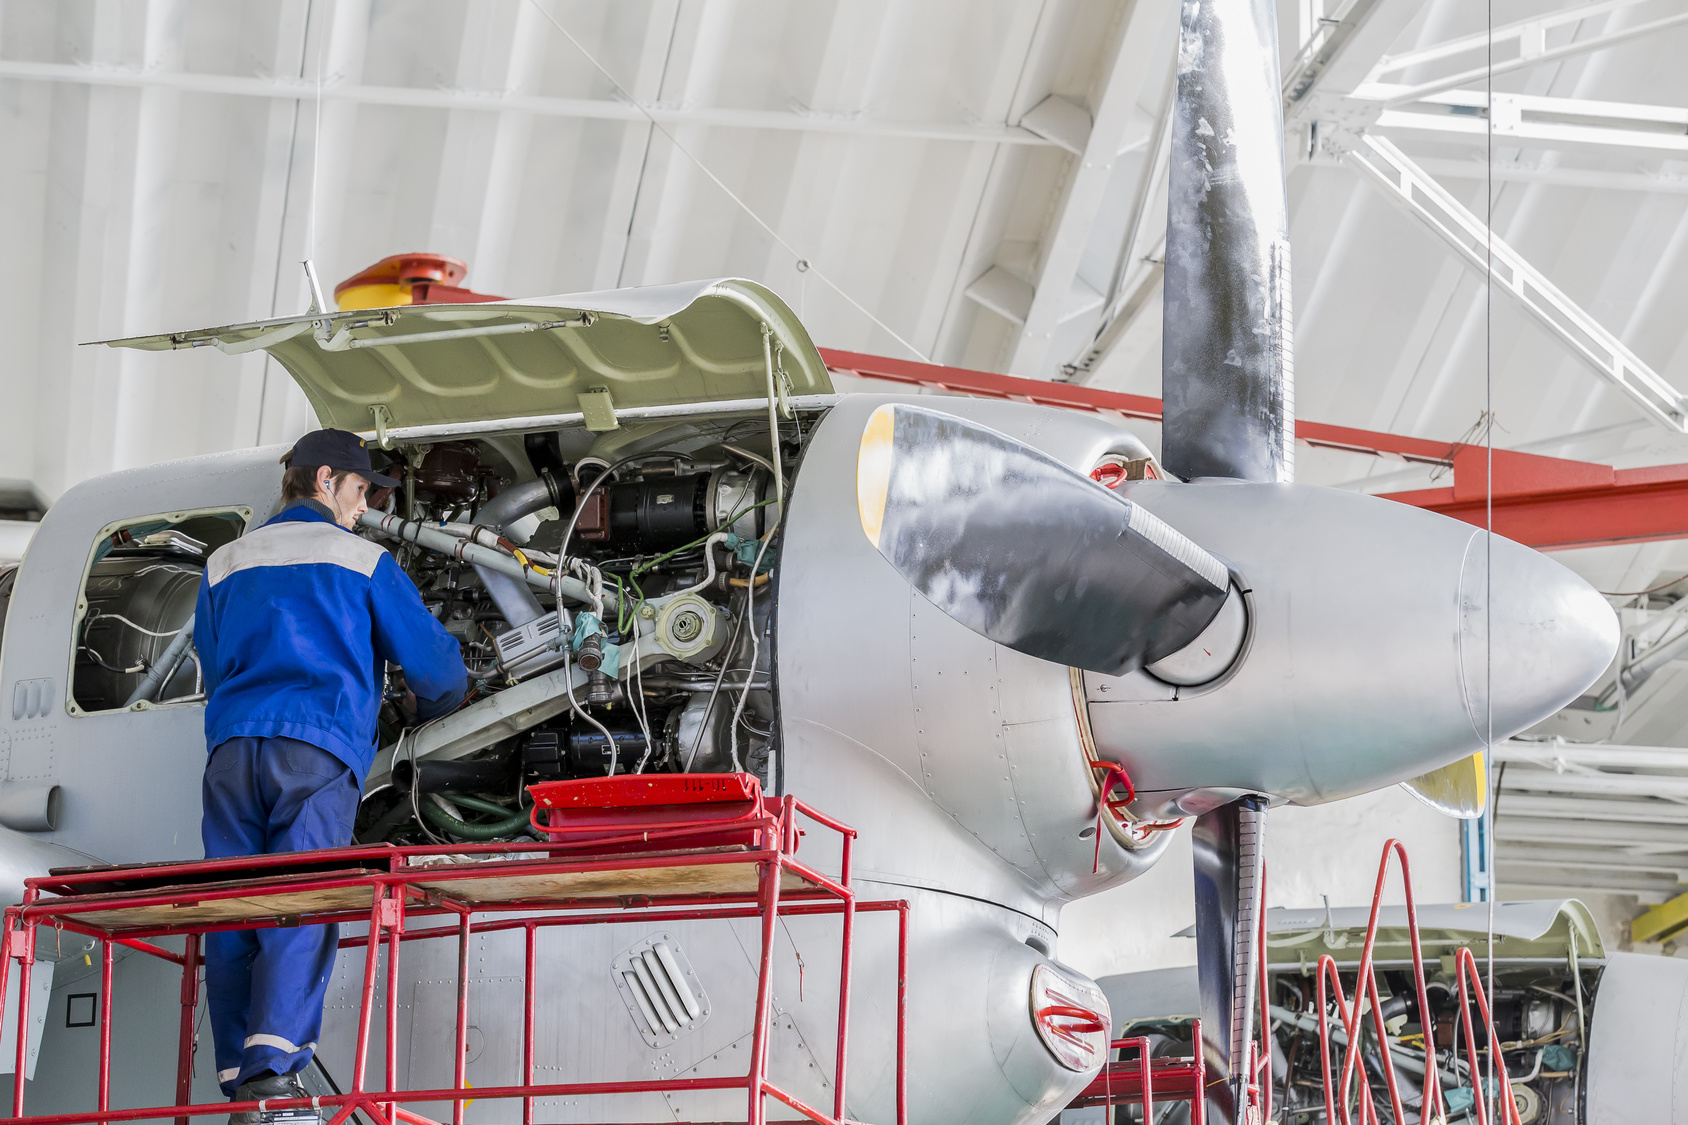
(1489, 524)
(806, 265)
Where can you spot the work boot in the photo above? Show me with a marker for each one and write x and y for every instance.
(266, 1087)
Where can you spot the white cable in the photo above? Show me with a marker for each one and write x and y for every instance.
(636, 682)
(102, 616)
(709, 562)
(755, 650)
(716, 180)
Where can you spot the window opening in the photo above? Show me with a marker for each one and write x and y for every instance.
(139, 592)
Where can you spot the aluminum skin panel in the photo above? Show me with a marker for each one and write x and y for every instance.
(927, 694)
(1638, 1042)
(158, 754)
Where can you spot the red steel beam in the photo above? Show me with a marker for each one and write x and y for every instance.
(1545, 502)
(986, 384)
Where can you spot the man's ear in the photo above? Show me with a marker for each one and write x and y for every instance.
(323, 475)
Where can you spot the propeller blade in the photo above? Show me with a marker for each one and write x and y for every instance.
(1460, 789)
(1025, 551)
(1227, 374)
(1229, 845)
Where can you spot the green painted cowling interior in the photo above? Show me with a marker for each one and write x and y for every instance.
(656, 345)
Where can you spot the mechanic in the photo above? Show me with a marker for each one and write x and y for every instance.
(295, 624)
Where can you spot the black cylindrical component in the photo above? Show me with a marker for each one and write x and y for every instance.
(475, 775)
(589, 753)
(660, 511)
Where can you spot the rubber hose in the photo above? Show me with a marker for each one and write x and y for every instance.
(430, 776)
(388, 821)
(444, 821)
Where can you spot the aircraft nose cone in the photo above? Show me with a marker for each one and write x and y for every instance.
(1533, 635)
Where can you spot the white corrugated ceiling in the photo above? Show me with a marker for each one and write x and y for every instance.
(977, 178)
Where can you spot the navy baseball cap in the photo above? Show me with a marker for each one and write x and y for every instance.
(338, 449)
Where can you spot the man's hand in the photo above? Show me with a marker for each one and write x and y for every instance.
(407, 705)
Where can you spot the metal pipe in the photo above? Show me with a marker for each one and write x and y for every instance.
(530, 931)
(184, 1042)
(773, 427)
(164, 667)
(371, 953)
(393, 933)
(20, 1068)
(509, 592)
(105, 1025)
(409, 532)
(460, 1050)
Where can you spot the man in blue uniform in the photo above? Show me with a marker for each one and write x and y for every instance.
(295, 624)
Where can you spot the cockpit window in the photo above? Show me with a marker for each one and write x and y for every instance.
(138, 596)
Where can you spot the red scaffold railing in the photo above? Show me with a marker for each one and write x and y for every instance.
(1352, 1014)
(1144, 1080)
(612, 873)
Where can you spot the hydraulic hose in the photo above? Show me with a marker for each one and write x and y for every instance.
(428, 776)
(491, 830)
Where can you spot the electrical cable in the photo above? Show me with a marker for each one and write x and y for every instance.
(709, 707)
(1678, 580)
(99, 615)
(568, 686)
(755, 646)
(804, 264)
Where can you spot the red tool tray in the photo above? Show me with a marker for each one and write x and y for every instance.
(637, 812)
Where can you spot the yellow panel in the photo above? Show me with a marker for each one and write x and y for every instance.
(1459, 789)
(873, 470)
(372, 297)
(1663, 921)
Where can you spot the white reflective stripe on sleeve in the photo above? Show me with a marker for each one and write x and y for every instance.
(294, 543)
(278, 1043)
(228, 1075)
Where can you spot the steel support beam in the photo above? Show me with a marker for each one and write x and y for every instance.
(1569, 809)
(493, 101)
(1115, 125)
(1528, 38)
(1529, 120)
(1553, 504)
(1662, 922)
(1545, 502)
(1411, 189)
(1450, 169)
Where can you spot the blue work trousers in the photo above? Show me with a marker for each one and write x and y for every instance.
(265, 987)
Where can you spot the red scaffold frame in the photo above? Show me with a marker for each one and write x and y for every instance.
(1353, 1012)
(407, 882)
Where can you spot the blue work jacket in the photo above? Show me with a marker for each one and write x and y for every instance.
(294, 624)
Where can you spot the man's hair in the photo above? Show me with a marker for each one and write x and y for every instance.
(298, 482)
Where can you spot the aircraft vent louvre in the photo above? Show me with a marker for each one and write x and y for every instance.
(659, 988)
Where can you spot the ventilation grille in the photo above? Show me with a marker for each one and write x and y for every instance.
(660, 990)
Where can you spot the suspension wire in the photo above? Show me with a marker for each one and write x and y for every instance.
(281, 227)
(804, 264)
(1491, 1092)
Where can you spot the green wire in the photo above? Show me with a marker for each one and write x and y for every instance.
(624, 617)
(642, 567)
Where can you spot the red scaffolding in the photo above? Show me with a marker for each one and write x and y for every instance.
(636, 864)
